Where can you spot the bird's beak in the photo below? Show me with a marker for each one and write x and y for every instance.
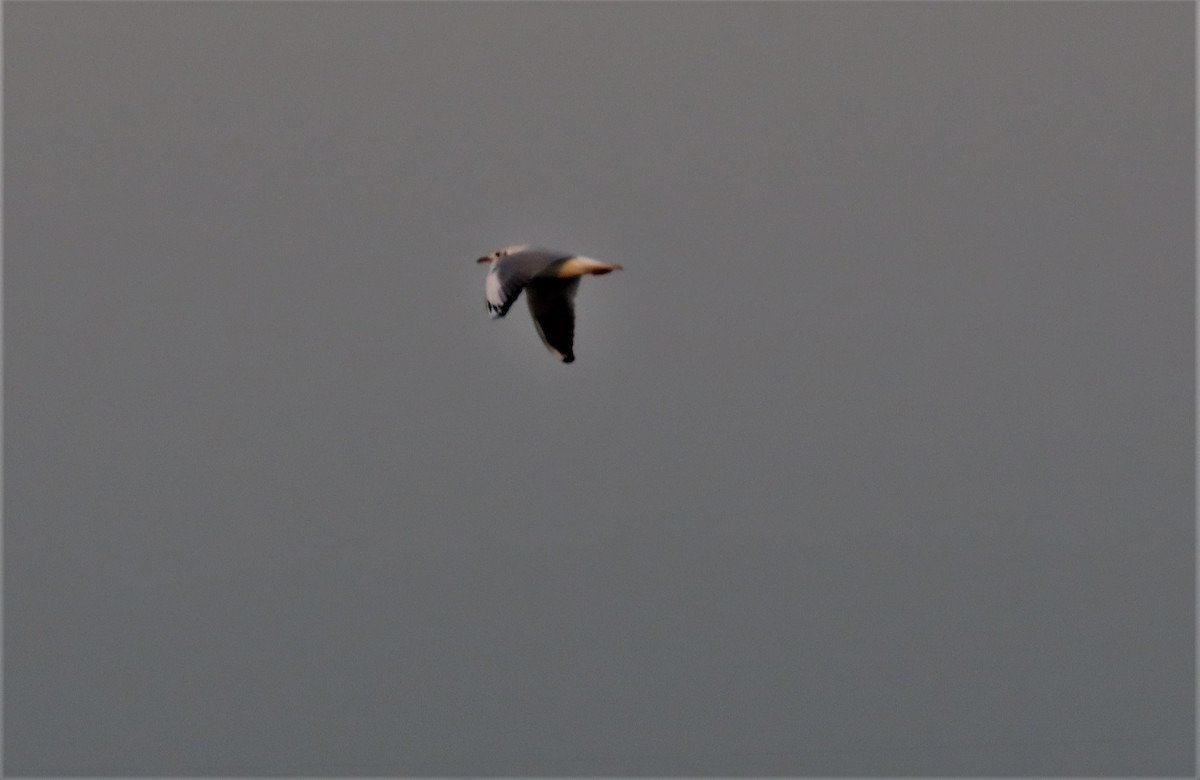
(484, 260)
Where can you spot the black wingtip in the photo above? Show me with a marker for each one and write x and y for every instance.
(568, 358)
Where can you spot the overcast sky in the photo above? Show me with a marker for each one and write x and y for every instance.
(877, 458)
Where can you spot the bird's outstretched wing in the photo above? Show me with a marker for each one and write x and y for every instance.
(509, 275)
(552, 304)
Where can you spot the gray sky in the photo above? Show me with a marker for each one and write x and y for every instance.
(876, 458)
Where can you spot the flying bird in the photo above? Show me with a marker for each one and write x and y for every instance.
(549, 279)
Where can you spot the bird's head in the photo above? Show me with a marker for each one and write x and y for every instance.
(505, 252)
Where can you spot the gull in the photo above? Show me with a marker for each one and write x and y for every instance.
(549, 279)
